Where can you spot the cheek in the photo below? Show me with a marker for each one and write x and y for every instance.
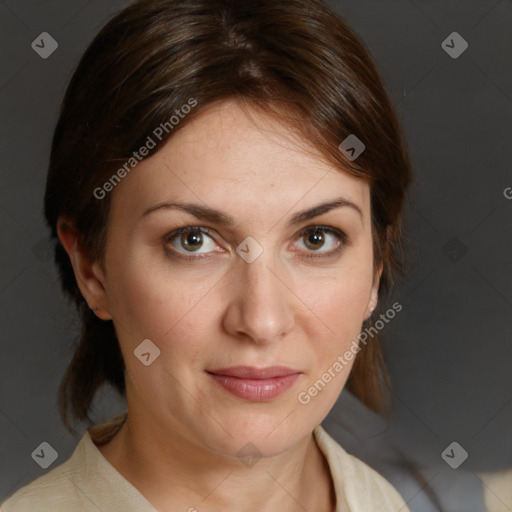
(342, 299)
(174, 319)
(148, 305)
(340, 305)
(151, 301)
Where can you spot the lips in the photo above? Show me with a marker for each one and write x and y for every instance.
(255, 384)
(250, 372)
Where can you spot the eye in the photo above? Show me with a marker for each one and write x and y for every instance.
(324, 240)
(191, 239)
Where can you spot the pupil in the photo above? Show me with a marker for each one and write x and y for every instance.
(192, 239)
(315, 240)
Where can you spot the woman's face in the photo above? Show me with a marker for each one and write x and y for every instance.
(256, 292)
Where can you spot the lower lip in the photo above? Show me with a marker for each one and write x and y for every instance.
(257, 390)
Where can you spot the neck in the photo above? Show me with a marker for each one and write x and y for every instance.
(173, 473)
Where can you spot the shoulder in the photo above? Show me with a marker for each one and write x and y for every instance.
(358, 486)
(79, 483)
(49, 491)
(497, 489)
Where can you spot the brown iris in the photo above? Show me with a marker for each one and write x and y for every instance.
(192, 239)
(314, 239)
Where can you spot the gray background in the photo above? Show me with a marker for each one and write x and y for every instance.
(449, 351)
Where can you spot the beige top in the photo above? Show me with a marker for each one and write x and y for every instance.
(87, 482)
(498, 490)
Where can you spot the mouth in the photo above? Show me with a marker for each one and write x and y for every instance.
(255, 384)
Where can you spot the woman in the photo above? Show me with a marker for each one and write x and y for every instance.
(225, 189)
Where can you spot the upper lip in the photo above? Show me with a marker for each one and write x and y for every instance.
(250, 372)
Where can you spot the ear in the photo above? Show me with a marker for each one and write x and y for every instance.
(374, 293)
(88, 274)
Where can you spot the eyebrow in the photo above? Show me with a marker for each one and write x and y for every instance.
(218, 217)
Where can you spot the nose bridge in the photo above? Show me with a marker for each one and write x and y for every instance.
(262, 307)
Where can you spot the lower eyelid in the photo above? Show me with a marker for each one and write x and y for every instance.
(324, 254)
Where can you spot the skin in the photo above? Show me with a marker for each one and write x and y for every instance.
(183, 430)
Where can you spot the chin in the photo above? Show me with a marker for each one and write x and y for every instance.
(254, 447)
(266, 435)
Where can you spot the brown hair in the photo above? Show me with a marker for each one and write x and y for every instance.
(295, 59)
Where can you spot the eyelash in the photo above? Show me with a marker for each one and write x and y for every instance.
(342, 237)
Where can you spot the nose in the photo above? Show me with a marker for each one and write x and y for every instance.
(261, 304)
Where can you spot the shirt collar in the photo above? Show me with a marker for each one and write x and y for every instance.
(111, 491)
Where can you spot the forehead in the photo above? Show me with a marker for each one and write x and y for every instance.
(233, 161)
